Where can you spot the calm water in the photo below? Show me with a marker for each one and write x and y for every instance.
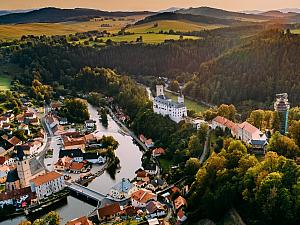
(130, 160)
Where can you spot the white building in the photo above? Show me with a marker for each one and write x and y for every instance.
(47, 184)
(122, 190)
(167, 107)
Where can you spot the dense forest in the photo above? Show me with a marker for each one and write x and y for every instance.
(217, 68)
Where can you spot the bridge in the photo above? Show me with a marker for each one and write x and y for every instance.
(85, 191)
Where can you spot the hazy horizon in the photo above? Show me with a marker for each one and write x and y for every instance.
(150, 5)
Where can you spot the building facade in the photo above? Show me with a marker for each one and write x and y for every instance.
(162, 105)
(47, 184)
(282, 107)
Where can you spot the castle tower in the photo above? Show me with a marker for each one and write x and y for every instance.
(282, 107)
(24, 172)
(180, 98)
(159, 90)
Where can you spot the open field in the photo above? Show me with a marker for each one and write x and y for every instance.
(166, 25)
(147, 38)
(15, 31)
(296, 31)
(4, 83)
(191, 105)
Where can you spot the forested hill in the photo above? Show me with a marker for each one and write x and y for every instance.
(222, 14)
(188, 17)
(216, 69)
(52, 15)
(255, 71)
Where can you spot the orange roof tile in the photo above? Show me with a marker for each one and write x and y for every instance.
(109, 210)
(46, 178)
(80, 221)
(143, 196)
(179, 202)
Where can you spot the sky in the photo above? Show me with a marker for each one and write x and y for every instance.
(151, 5)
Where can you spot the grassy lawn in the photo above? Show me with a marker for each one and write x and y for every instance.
(15, 31)
(4, 83)
(166, 25)
(297, 31)
(191, 105)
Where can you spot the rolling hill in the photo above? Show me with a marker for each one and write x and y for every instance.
(188, 17)
(223, 14)
(55, 15)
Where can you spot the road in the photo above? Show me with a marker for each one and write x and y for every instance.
(206, 148)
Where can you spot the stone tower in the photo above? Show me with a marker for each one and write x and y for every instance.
(180, 98)
(159, 90)
(24, 172)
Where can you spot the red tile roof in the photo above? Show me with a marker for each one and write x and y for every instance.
(14, 141)
(109, 210)
(179, 202)
(46, 178)
(248, 127)
(77, 166)
(143, 196)
(80, 221)
(158, 151)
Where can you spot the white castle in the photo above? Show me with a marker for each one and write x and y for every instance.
(164, 106)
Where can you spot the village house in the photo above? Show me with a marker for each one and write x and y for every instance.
(75, 154)
(94, 157)
(89, 124)
(18, 197)
(179, 203)
(76, 167)
(3, 173)
(158, 152)
(142, 175)
(80, 221)
(181, 217)
(122, 190)
(63, 164)
(157, 184)
(78, 156)
(25, 128)
(197, 123)
(149, 143)
(151, 168)
(74, 143)
(63, 121)
(140, 184)
(156, 209)
(109, 212)
(47, 184)
(141, 197)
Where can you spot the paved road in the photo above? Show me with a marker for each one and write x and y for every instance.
(206, 148)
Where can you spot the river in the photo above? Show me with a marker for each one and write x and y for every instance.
(130, 160)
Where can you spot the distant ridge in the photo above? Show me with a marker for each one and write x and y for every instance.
(6, 12)
(220, 13)
(52, 15)
(172, 9)
(188, 17)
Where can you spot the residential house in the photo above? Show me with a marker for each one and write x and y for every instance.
(75, 154)
(151, 168)
(141, 197)
(149, 143)
(24, 127)
(179, 203)
(122, 190)
(76, 167)
(63, 164)
(3, 173)
(157, 184)
(158, 152)
(142, 175)
(94, 157)
(18, 197)
(109, 212)
(63, 121)
(140, 184)
(197, 123)
(47, 184)
(14, 141)
(156, 209)
(55, 105)
(181, 217)
(2, 160)
(74, 143)
(80, 221)
(142, 138)
(89, 124)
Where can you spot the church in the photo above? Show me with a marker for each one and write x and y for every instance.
(162, 105)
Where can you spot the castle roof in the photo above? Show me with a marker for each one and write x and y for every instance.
(169, 102)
